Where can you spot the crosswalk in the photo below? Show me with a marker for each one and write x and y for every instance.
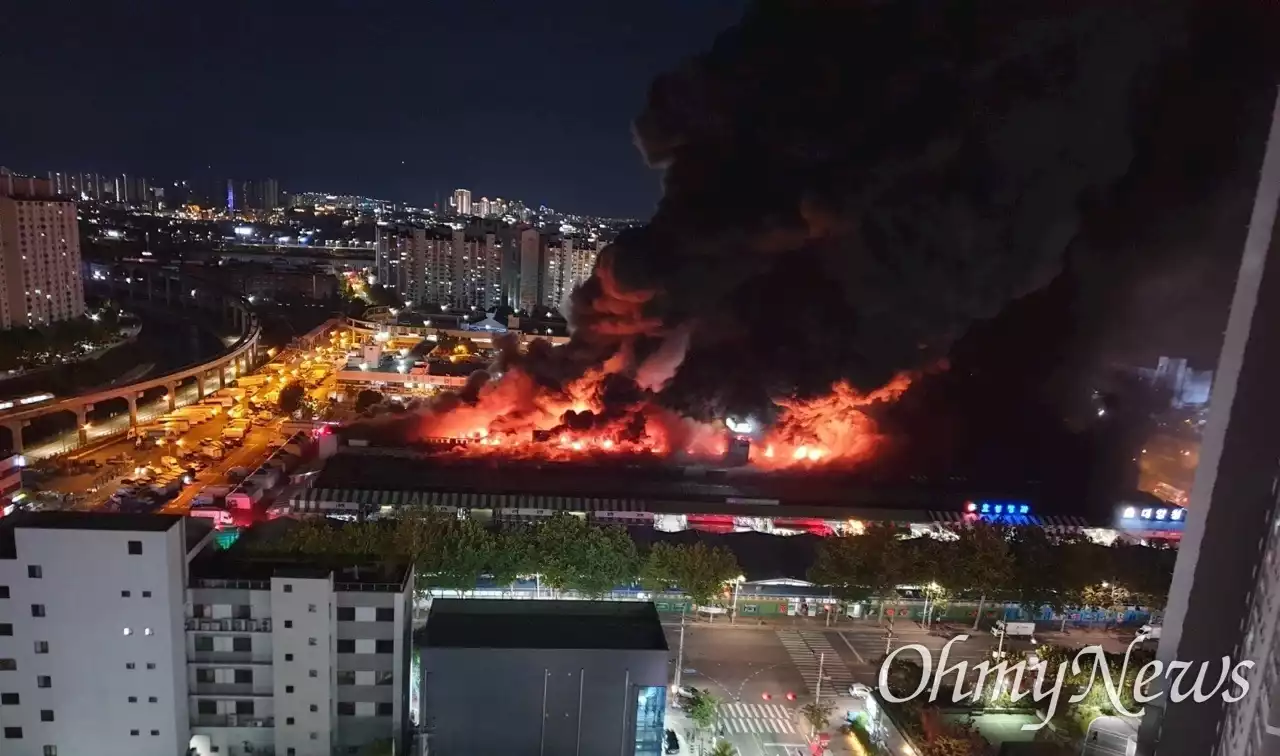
(740, 718)
(810, 649)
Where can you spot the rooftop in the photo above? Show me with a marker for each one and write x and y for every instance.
(58, 520)
(231, 569)
(64, 520)
(485, 623)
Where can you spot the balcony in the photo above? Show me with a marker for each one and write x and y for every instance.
(231, 720)
(244, 690)
(228, 657)
(227, 625)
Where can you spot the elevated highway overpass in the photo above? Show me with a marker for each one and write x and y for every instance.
(158, 288)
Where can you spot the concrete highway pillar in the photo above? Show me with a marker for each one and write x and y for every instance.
(222, 377)
(167, 284)
(15, 435)
(200, 385)
(171, 393)
(132, 399)
(82, 424)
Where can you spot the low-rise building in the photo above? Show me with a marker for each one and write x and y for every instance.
(558, 676)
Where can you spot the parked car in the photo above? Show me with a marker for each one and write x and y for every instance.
(673, 743)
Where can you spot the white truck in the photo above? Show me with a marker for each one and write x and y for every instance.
(236, 430)
(1015, 629)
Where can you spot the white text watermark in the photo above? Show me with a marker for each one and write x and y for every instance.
(1047, 684)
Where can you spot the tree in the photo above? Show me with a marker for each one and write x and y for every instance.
(463, 554)
(722, 748)
(383, 747)
(366, 399)
(697, 569)
(291, 397)
(1039, 576)
(875, 561)
(1109, 596)
(817, 714)
(512, 554)
(608, 559)
(984, 563)
(702, 709)
(573, 553)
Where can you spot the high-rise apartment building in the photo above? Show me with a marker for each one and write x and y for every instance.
(569, 262)
(39, 254)
(462, 201)
(441, 266)
(296, 659)
(483, 208)
(531, 255)
(91, 635)
(129, 635)
(397, 250)
(253, 194)
(477, 268)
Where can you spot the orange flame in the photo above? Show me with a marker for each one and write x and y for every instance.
(512, 415)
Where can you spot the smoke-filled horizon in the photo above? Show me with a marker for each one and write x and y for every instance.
(847, 188)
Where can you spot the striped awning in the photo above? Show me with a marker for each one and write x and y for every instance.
(317, 499)
(1051, 523)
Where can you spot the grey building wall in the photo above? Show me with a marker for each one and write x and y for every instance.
(481, 700)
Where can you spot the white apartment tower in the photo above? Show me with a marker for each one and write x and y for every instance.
(39, 254)
(569, 262)
(131, 635)
(477, 268)
(297, 660)
(531, 250)
(462, 201)
(92, 656)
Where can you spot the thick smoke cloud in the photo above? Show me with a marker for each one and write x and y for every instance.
(849, 186)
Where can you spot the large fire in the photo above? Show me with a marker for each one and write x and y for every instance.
(515, 417)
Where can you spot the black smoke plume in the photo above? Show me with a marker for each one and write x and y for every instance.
(849, 185)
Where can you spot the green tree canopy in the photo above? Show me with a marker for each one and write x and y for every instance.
(697, 569)
(984, 563)
(576, 554)
(291, 397)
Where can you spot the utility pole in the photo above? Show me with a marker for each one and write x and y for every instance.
(680, 652)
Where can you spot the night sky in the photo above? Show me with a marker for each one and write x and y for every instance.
(397, 100)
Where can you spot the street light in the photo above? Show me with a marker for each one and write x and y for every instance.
(733, 612)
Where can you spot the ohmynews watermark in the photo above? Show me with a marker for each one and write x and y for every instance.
(1047, 684)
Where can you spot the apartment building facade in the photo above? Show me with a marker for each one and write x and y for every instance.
(135, 635)
(91, 635)
(297, 661)
(39, 254)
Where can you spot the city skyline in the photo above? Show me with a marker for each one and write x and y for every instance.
(514, 104)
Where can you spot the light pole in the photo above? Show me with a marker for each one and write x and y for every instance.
(680, 651)
(733, 612)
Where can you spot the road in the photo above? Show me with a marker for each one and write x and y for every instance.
(752, 669)
(70, 439)
(254, 450)
(250, 454)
